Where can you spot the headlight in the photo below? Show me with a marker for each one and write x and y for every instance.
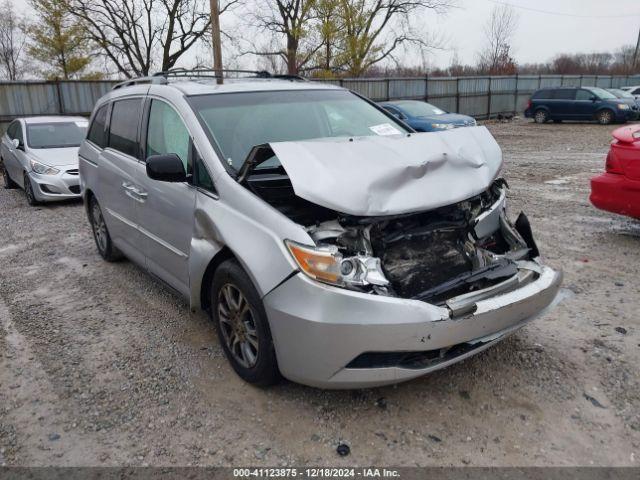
(623, 106)
(474, 123)
(326, 264)
(43, 169)
(442, 126)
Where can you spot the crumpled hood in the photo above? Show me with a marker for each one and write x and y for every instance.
(389, 175)
(56, 157)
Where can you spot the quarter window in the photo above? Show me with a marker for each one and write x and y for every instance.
(11, 131)
(97, 133)
(167, 133)
(201, 174)
(123, 128)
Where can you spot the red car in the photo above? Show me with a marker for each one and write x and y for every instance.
(618, 189)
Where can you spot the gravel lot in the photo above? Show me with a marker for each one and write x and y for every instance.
(102, 365)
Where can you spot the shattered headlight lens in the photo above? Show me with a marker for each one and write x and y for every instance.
(43, 169)
(326, 264)
(442, 126)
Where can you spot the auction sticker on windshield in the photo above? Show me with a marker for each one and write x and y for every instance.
(385, 129)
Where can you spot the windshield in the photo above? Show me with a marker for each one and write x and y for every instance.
(621, 93)
(237, 122)
(56, 134)
(419, 109)
(602, 93)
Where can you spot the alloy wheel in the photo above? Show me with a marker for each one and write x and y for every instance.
(605, 117)
(238, 325)
(99, 227)
(541, 116)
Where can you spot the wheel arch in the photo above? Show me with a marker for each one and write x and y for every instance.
(221, 256)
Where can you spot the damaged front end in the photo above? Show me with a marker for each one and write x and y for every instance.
(452, 255)
(447, 256)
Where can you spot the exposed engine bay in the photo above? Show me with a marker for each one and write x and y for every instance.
(431, 256)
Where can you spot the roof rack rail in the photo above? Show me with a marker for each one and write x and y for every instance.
(140, 80)
(208, 73)
(162, 77)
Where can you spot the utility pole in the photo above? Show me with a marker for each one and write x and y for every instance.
(635, 55)
(215, 39)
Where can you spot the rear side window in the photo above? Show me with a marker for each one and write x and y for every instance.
(542, 94)
(97, 133)
(636, 91)
(123, 128)
(564, 94)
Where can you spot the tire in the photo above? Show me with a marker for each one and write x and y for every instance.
(7, 182)
(28, 191)
(106, 248)
(605, 117)
(541, 116)
(242, 325)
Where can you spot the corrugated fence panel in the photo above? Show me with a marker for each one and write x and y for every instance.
(550, 81)
(503, 84)
(375, 89)
(502, 103)
(28, 99)
(80, 97)
(408, 88)
(571, 80)
(442, 87)
(528, 83)
(589, 80)
(603, 81)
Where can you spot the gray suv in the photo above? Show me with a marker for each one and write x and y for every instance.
(329, 242)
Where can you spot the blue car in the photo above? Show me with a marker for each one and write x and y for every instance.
(584, 103)
(424, 117)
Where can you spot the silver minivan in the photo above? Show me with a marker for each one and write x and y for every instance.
(329, 242)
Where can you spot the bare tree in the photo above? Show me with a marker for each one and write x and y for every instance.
(496, 57)
(375, 29)
(289, 20)
(12, 42)
(130, 33)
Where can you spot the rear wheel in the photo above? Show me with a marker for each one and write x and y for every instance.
(28, 191)
(242, 325)
(106, 249)
(541, 116)
(7, 182)
(605, 117)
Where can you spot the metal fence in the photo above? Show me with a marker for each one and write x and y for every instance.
(480, 97)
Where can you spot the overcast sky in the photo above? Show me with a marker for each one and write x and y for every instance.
(568, 26)
(540, 36)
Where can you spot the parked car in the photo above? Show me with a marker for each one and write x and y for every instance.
(633, 90)
(618, 189)
(329, 242)
(585, 103)
(424, 117)
(626, 97)
(40, 155)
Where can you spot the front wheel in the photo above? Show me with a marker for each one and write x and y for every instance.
(541, 116)
(28, 191)
(7, 182)
(106, 248)
(605, 117)
(242, 325)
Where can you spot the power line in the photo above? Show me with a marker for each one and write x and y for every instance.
(562, 14)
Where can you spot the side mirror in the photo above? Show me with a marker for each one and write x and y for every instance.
(16, 143)
(593, 98)
(166, 168)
